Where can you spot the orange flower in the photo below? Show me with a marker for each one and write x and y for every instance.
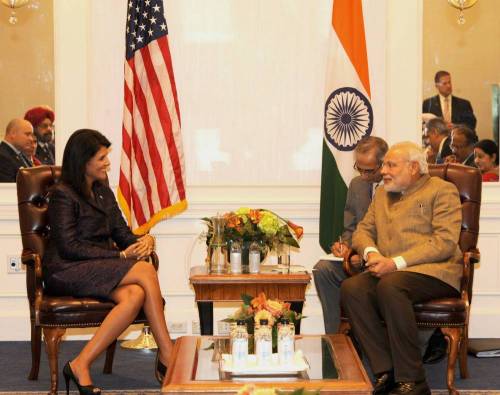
(286, 306)
(259, 302)
(255, 216)
(298, 230)
(232, 220)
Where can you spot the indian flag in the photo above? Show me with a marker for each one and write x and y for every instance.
(348, 113)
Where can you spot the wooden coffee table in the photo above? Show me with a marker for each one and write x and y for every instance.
(209, 288)
(335, 368)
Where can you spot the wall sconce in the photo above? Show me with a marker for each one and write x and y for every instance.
(461, 5)
(13, 4)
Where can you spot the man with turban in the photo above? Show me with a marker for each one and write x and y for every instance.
(42, 119)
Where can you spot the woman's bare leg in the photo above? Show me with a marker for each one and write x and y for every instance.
(144, 275)
(129, 300)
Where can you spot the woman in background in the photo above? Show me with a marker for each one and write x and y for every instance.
(92, 253)
(486, 159)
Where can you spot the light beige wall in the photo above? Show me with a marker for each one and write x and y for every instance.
(470, 52)
(26, 61)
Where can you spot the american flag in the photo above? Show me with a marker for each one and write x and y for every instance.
(152, 182)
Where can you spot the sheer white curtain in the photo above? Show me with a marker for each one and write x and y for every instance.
(250, 80)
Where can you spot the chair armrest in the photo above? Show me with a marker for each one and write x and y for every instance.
(153, 258)
(34, 281)
(349, 267)
(471, 257)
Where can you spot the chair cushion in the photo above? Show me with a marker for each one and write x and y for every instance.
(69, 312)
(443, 305)
(441, 312)
(68, 304)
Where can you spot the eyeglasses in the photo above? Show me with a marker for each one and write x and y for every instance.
(365, 171)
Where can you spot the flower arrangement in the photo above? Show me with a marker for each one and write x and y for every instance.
(253, 310)
(248, 224)
(251, 389)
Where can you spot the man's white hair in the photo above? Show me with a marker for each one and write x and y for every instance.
(414, 153)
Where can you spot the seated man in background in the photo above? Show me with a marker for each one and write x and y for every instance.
(18, 139)
(328, 275)
(462, 146)
(409, 239)
(42, 119)
(439, 139)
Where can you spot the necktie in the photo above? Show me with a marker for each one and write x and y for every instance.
(46, 148)
(446, 109)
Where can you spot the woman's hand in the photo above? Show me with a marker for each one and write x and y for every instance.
(149, 241)
(137, 250)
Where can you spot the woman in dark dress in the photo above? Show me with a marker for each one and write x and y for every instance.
(91, 252)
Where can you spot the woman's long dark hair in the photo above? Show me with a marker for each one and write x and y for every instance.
(80, 148)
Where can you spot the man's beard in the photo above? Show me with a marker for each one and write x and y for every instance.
(45, 138)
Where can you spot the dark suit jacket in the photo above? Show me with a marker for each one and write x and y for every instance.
(461, 110)
(470, 161)
(83, 229)
(359, 197)
(46, 155)
(445, 151)
(10, 162)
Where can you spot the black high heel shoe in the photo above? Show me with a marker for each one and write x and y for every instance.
(160, 369)
(82, 389)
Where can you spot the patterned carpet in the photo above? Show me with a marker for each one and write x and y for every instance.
(133, 372)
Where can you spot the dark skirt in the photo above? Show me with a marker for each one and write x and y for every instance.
(96, 278)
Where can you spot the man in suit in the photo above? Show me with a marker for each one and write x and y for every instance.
(18, 138)
(453, 110)
(438, 135)
(409, 240)
(42, 120)
(462, 146)
(328, 275)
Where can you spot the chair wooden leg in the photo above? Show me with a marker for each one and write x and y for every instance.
(453, 337)
(110, 353)
(36, 345)
(464, 345)
(52, 337)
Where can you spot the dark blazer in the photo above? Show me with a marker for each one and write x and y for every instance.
(445, 151)
(461, 110)
(359, 197)
(82, 230)
(46, 155)
(10, 162)
(470, 161)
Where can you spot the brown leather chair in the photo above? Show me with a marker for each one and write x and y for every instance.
(52, 314)
(451, 315)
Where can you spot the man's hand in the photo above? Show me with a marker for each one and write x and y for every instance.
(450, 159)
(379, 265)
(339, 249)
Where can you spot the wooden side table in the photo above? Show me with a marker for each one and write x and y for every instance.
(211, 288)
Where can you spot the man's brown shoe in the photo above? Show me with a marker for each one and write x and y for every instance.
(384, 382)
(411, 388)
